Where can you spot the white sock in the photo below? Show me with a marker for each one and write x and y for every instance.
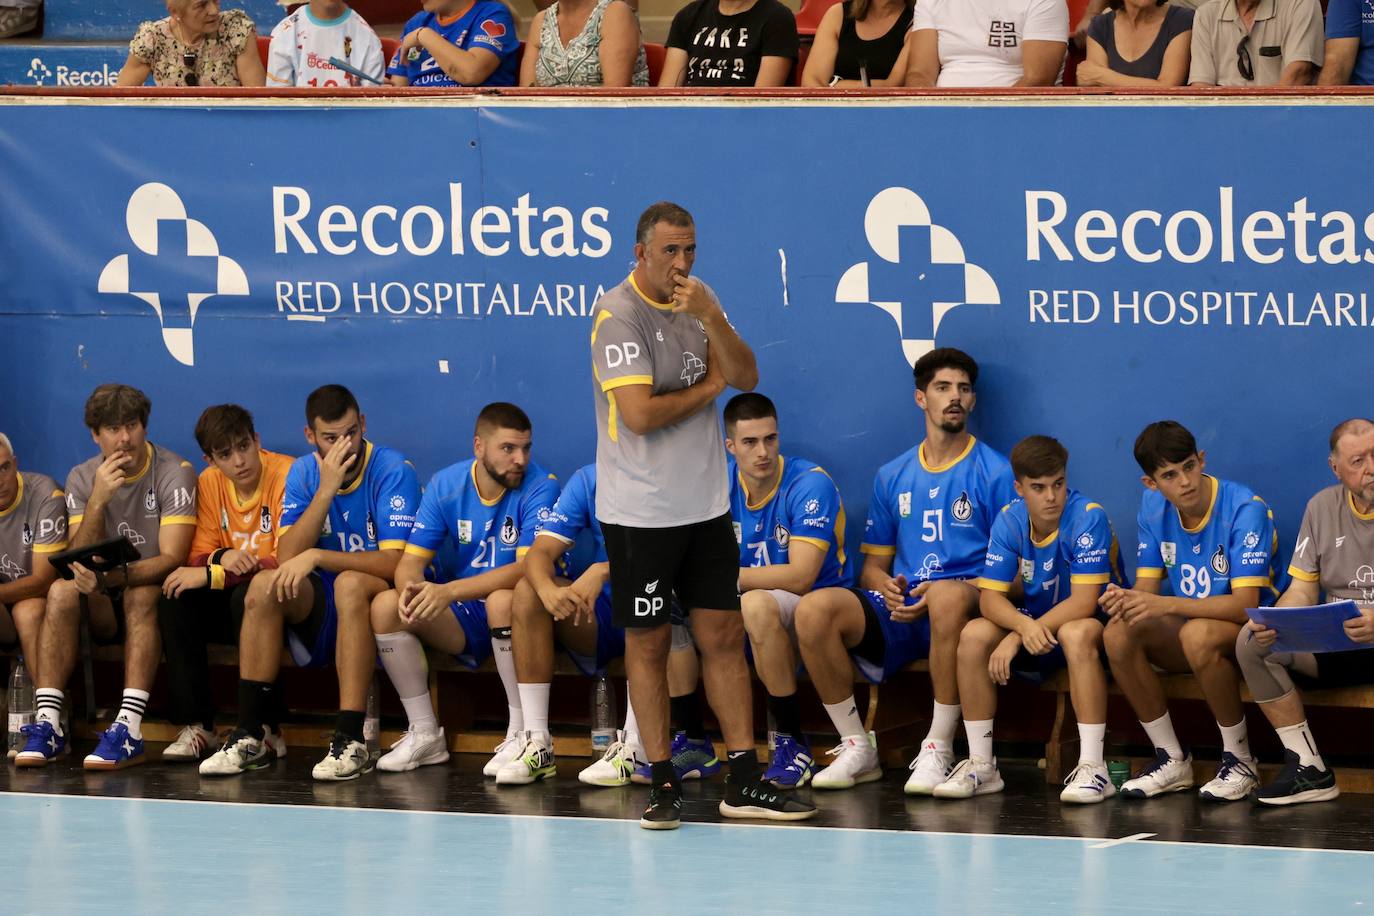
(1091, 739)
(1161, 732)
(1298, 739)
(1236, 739)
(845, 716)
(944, 721)
(534, 705)
(505, 666)
(979, 733)
(49, 702)
(403, 659)
(131, 710)
(631, 725)
(420, 715)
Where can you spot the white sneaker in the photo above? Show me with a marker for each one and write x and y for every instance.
(1234, 781)
(974, 776)
(506, 751)
(616, 765)
(347, 759)
(1088, 784)
(856, 761)
(930, 768)
(274, 742)
(192, 743)
(534, 762)
(415, 750)
(1164, 774)
(242, 752)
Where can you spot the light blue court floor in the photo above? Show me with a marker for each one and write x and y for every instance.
(89, 854)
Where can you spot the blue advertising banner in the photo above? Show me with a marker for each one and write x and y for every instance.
(1108, 263)
(44, 63)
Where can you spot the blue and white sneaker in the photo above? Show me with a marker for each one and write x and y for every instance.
(792, 765)
(42, 745)
(117, 749)
(691, 759)
(1088, 784)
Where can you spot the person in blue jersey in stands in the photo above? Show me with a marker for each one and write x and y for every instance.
(347, 509)
(789, 522)
(927, 536)
(457, 43)
(1215, 542)
(488, 509)
(1050, 555)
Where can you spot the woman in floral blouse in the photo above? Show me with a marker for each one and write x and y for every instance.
(196, 45)
(585, 43)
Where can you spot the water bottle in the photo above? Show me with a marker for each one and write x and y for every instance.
(603, 714)
(21, 711)
(772, 733)
(372, 722)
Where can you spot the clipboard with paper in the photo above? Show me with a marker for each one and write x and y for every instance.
(1319, 628)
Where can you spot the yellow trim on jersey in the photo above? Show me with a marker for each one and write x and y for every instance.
(992, 585)
(256, 496)
(612, 430)
(177, 520)
(624, 380)
(49, 548)
(367, 456)
(754, 507)
(839, 534)
(610, 398)
(1149, 572)
(417, 551)
(1303, 574)
(392, 545)
(1090, 579)
(18, 498)
(661, 306)
(921, 454)
(520, 552)
(1207, 517)
(73, 521)
(1049, 538)
(1251, 582)
(818, 543)
(147, 463)
(878, 550)
(1349, 500)
(472, 470)
(216, 576)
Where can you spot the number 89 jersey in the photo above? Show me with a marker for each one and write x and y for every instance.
(1234, 547)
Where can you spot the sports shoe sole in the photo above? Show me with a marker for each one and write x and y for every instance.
(33, 762)
(790, 786)
(834, 785)
(660, 825)
(105, 766)
(1300, 798)
(603, 783)
(1139, 794)
(753, 812)
(363, 771)
(1096, 798)
(983, 788)
(1222, 799)
(416, 764)
(525, 780)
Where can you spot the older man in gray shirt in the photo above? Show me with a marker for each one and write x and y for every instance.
(1335, 556)
(662, 350)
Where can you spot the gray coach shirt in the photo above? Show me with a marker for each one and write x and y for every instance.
(163, 494)
(672, 476)
(35, 524)
(1336, 548)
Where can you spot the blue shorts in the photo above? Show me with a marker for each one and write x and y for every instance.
(311, 642)
(1038, 668)
(472, 617)
(903, 643)
(610, 640)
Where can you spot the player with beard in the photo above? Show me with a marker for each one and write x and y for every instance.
(488, 508)
(925, 543)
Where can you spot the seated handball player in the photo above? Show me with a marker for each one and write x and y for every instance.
(147, 494)
(488, 508)
(789, 522)
(1059, 545)
(347, 509)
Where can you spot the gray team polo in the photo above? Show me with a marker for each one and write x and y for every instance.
(164, 493)
(35, 524)
(1336, 548)
(672, 476)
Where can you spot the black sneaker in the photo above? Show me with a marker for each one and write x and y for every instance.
(761, 800)
(1297, 784)
(664, 811)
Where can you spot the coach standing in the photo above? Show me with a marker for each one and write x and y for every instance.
(662, 350)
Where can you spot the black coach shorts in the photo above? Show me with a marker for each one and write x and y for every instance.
(700, 563)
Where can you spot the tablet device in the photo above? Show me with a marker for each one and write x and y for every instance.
(102, 557)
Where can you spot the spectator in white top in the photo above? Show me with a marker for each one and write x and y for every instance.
(304, 42)
(987, 43)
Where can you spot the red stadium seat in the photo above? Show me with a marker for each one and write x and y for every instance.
(810, 14)
(389, 46)
(1076, 9)
(264, 42)
(654, 55)
(803, 53)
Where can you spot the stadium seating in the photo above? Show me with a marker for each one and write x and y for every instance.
(654, 54)
(810, 15)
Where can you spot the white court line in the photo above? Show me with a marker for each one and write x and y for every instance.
(9, 793)
(1125, 839)
(305, 318)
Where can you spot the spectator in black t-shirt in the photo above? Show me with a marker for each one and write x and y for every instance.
(730, 43)
(860, 43)
(1138, 43)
